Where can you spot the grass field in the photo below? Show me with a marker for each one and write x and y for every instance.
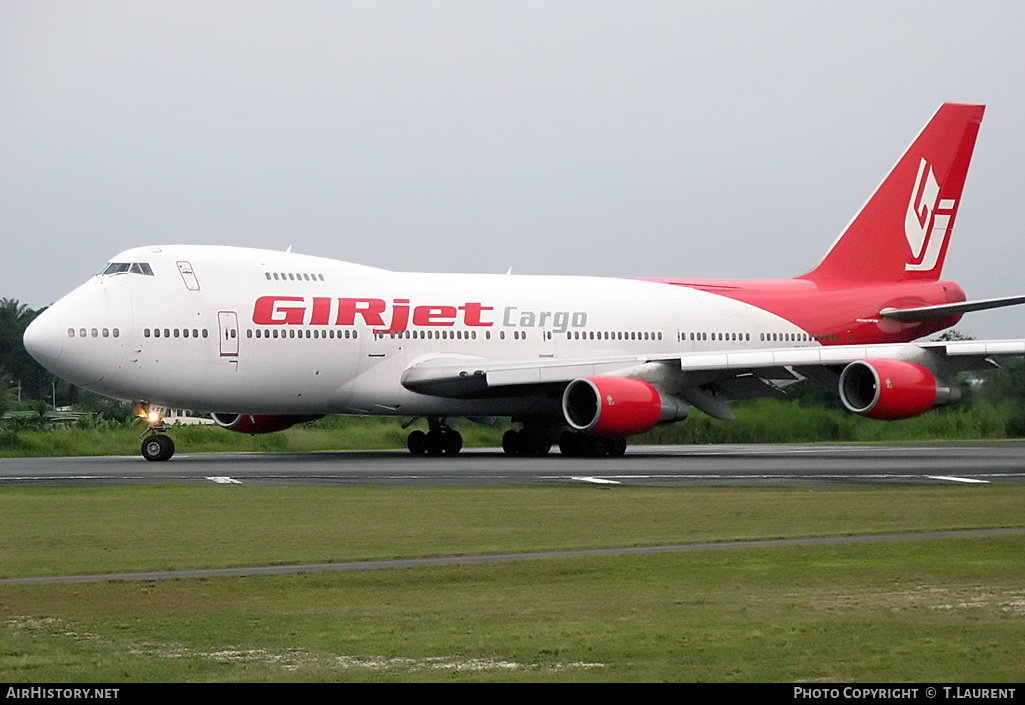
(758, 421)
(943, 610)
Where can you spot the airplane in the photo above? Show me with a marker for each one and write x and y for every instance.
(262, 340)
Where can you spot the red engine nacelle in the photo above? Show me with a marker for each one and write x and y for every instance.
(616, 406)
(891, 389)
(258, 423)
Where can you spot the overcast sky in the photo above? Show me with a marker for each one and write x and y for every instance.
(635, 138)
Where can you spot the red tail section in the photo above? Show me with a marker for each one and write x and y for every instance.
(902, 232)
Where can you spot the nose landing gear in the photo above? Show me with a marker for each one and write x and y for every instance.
(155, 445)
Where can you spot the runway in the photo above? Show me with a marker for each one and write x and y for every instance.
(654, 466)
(938, 464)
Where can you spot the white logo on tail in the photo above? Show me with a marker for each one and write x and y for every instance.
(928, 220)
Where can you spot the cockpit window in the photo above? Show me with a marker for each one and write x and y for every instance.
(127, 267)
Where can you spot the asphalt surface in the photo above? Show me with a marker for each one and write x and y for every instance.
(662, 466)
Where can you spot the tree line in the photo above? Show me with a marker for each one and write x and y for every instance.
(25, 385)
(20, 375)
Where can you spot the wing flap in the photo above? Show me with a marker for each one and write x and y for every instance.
(476, 376)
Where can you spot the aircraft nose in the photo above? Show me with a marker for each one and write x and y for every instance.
(44, 339)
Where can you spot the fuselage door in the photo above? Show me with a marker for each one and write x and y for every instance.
(547, 343)
(188, 276)
(228, 324)
(379, 344)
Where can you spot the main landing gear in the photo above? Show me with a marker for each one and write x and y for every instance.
(579, 445)
(155, 445)
(439, 439)
(535, 442)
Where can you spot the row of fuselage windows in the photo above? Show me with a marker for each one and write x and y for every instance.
(301, 333)
(611, 335)
(94, 332)
(175, 333)
(452, 334)
(570, 335)
(449, 335)
(455, 335)
(799, 338)
(293, 276)
(348, 334)
(696, 335)
(763, 337)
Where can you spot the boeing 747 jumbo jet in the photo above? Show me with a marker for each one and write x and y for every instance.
(263, 340)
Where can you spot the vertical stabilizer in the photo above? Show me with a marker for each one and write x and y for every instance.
(902, 232)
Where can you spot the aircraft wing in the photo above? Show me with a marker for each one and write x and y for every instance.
(470, 376)
(707, 380)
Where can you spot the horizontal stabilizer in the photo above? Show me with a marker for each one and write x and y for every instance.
(925, 313)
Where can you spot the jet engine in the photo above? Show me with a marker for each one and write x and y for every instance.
(892, 389)
(258, 423)
(617, 406)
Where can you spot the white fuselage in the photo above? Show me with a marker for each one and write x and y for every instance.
(225, 329)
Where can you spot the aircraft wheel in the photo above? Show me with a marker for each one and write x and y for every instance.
(616, 447)
(452, 441)
(157, 448)
(533, 444)
(570, 444)
(574, 444)
(591, 447)
(527, 442)
(435, 443)
(417, 442)
(510, 442)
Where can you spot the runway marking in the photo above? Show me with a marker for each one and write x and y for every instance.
(951, 478)
(595, 480)
(225, 480)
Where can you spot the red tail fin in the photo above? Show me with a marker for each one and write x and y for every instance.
(902, 232)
